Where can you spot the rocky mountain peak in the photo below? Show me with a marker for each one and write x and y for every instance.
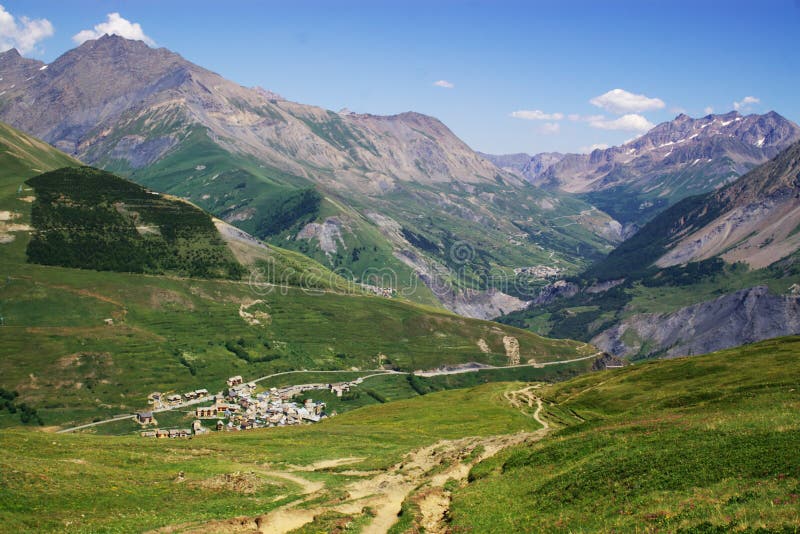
(11, 54)
(110, 50)
(11, 59)
(675, 159)
(114, 43)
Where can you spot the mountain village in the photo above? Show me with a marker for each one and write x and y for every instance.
(240, 407)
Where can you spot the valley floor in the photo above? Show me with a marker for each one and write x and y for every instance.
(691, 445)
(362, 467)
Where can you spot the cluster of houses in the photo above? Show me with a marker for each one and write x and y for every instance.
(386, 292)
(172, 433)
(538, 271)
(241, 408)
(159, 400)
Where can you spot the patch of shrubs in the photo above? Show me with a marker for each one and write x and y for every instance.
(27, 414)
(242, 353)
(90, 219)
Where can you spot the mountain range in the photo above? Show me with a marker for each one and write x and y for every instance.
(635, 181)
(172, 234)
(399, 201)
(358, 192)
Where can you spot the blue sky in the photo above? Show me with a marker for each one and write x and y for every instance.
(547, 61)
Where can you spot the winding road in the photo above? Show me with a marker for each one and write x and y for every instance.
(376, 372)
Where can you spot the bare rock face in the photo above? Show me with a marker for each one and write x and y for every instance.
(607, 361)
(755, 220)
(511, 345)
(742, 317)
(560, 289)
(328, 234)
(488, 304)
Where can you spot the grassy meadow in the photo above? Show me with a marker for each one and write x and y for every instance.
(84, 483)
(701, 444)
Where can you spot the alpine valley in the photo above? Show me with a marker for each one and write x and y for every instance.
(222, 310)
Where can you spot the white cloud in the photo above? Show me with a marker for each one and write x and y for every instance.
(745, 103)
(630, 122)
(114, 25)
(444, 83)
(550, 128)
(592, 148)
(25, 34)
(708, 110)
(620, 101)
(574, 117)
(536, 115)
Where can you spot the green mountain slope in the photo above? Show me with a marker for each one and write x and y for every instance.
(173, 334)
(706, 444)
(21, 157)
(82, 343)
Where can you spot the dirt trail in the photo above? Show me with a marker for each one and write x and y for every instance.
(421, 476)
(434, 501)
(328, 464)
(309, 486)
(523, 397)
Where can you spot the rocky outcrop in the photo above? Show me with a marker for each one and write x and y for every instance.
(511, 345)
(738, 318)
(607, 361)
(328, 234)
(560, 289)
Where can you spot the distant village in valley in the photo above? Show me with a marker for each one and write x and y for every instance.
(539, 271)
(239, 408)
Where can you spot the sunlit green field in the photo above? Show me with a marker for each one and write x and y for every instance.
(702, 444)
(83, 483)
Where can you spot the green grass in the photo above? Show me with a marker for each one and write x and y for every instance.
(70, 363)
(659, 446)
(685, 445)
(82, 483)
